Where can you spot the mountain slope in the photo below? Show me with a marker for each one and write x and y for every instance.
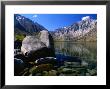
(84, 30)
(23, 25)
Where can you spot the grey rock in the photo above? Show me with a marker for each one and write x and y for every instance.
(84, 64)
(31, 44)
(44, 37)
(38, 74)
(46, 60)
(45, 73)
(72, 64)
(36, 47)
(67, 70)
(52, 73)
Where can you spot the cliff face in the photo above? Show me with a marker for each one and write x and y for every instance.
(84, 30)
(23, 25)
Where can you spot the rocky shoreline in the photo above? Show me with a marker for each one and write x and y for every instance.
(35, 56)
(52, 66)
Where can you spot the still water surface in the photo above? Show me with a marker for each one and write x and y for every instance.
(86, 51)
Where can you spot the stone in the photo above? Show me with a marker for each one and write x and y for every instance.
(17, 52)
(45, 73)
(71, 64)
(66, 70)
(35, 47)
(21, 56)
(31, 44)
(44, 67)
(87, 74)
(44, 37)
(84, 64)
(93, 72)
(19, 66)
(33, 69)
(52, 73)
(38, 74)
(62, 74)
(46, 60)
(17, 44)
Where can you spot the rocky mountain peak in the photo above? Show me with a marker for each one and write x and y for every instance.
(76, 30)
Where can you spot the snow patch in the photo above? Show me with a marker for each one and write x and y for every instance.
(34, 16)
(86, 17)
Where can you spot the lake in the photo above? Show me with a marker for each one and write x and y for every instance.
(86, 51)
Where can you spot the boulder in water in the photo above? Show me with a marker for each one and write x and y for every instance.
(36, 47)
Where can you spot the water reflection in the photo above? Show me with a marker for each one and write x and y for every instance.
(86, 51)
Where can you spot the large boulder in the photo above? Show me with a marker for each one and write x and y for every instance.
(31, 44)
(44, 37)
(38, 46)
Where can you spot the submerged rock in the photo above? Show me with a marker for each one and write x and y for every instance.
(46, 60)
(19, 66)
(21, 56)
(45, 73)
(17, 44)
(44, 67)
(52, 73)
(49, 73)
(67, 70)
(84, 64)
(71, 64)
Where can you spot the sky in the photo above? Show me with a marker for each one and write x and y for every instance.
(54, 21)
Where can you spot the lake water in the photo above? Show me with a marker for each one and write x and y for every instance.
(86, 51)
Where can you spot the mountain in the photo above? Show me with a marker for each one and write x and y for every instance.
(23, 25)
(84, 30)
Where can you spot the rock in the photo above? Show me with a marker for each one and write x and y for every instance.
(31, 44)
(26, 60)
(68, 58)
(30, 75)
(52, 73)
(26, 73)
(66, 71)
(62, 74)
(46, 60)
(17, 44)
(36, 61)
(19, 66)
(50, 58)
(45, 73)
(93, 72)
(38, 74)
(44, 67)
(44, 37)
(71, 64)
(33, 69)
(84, 64)
(87, 74)
(38, 47)
(20, 56)
(17, 51)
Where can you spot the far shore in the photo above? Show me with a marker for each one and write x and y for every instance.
(78, 41)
